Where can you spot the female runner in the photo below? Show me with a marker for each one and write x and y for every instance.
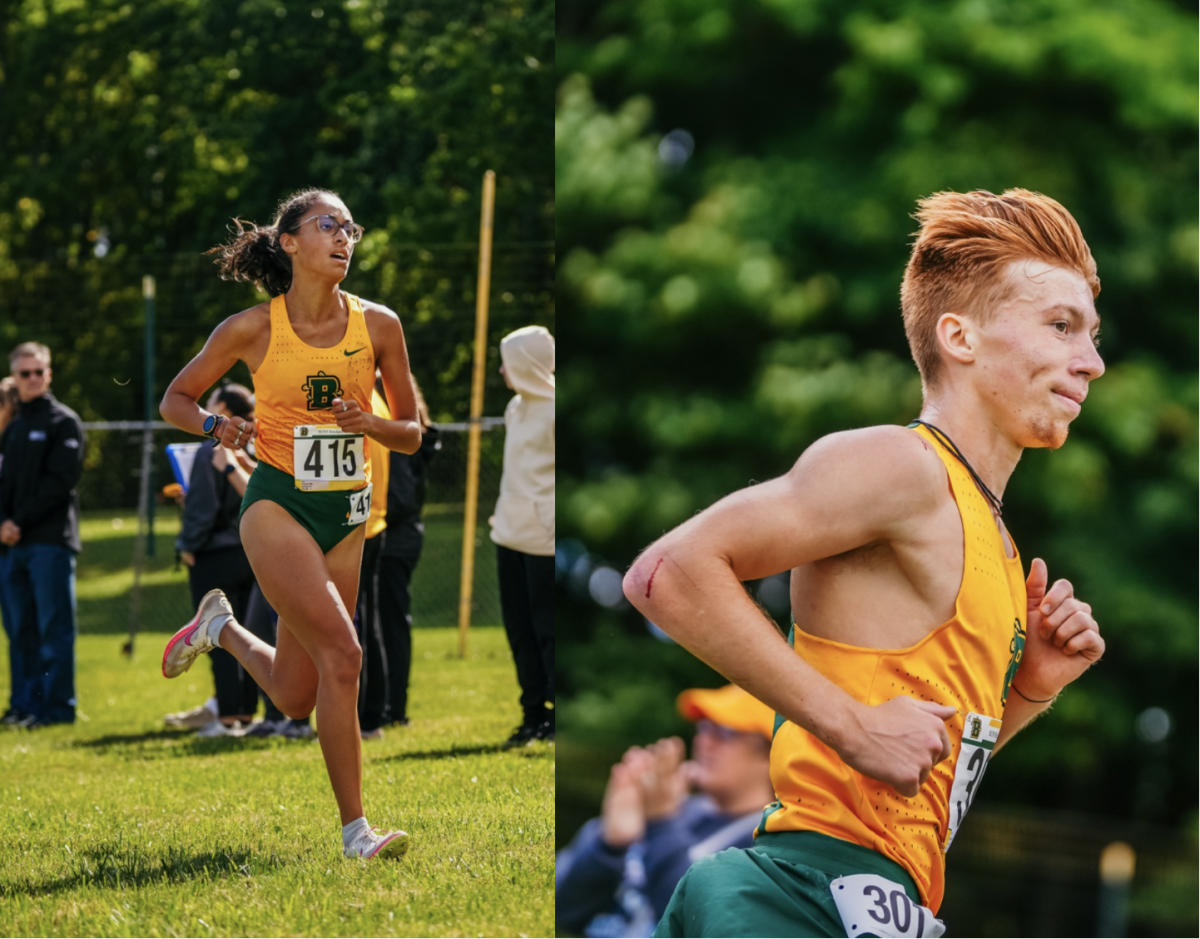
(313, 350)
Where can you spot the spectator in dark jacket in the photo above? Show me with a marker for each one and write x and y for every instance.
(41, 460)
(395, 536)
(617, 875)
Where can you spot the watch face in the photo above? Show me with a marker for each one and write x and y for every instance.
(209, 423)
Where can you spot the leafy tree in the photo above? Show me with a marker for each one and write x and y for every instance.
(133, 132)
(735, 179)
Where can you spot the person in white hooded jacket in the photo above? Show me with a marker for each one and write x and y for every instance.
(523, 525)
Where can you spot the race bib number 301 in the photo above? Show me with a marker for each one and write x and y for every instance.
(872, 905)
(980, 734)
(326, 457)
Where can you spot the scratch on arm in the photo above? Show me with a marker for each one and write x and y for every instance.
(650, 582)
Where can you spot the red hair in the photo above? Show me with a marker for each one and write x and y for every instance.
(963, 249)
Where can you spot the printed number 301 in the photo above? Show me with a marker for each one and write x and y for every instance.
(870, 904)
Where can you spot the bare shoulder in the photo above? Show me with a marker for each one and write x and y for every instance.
(378, 313)
(888, 466)
(247, 324)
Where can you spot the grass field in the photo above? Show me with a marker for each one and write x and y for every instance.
(118, 827)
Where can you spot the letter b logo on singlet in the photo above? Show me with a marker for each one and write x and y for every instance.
(321, 390)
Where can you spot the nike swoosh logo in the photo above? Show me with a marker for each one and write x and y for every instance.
(346, 352)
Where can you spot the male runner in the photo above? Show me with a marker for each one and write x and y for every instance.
(919, 647)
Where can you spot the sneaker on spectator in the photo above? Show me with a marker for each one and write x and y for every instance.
(522, 735)
(13, 717)
(215, 728)
(260, 729)
(196, 718)
(376, 734)
(545, 732)
(297, 730)
(377, 843)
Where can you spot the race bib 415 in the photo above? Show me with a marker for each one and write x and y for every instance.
(326, 457)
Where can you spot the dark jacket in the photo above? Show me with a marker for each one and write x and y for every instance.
(210, 509)
(406, 497)
(603, 891)
(42, 460)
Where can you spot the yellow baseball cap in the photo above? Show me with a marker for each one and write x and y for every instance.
(730, 707)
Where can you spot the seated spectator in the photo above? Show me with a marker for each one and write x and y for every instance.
(617, 875)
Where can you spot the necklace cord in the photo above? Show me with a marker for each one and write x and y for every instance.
(943, 438)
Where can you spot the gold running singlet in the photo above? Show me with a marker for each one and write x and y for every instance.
(968, 662)
(294, 390)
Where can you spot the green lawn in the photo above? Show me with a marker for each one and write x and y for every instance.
(119, 827)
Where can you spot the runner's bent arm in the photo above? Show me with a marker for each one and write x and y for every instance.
(403, 432)
(1062, 641)
(228, 344)
(846, 491)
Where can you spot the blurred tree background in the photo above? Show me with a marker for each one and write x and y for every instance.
(734, 182)
(132, 133)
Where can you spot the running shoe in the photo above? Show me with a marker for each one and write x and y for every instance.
(198, 636)
(196, 718)
(377, 843)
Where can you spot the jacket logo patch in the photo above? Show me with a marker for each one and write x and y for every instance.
(321, 390)
(37, 435)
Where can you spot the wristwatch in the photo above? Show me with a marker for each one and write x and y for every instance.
(229, 468)
(211, 423)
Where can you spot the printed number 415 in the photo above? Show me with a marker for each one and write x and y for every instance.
(347, 464)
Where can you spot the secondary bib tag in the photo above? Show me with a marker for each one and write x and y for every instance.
(360, 505)
(870, 904)
(326, 457)
(980, 733)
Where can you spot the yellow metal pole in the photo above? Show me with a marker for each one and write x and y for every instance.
(477, 375)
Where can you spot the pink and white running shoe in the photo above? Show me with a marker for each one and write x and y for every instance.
(198, 636)
(377, 843)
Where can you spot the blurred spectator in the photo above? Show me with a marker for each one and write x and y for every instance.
(394, 538)
(41, 460)
(523, 525)
(18, 706)
(211, 547)
(617, 875)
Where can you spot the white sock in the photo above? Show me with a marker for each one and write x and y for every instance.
(214, 629)
(353, 830)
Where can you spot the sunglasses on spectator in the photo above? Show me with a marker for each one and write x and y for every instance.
(328, 224)
(26, 372)
(717, 731)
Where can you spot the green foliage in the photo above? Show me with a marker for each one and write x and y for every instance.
(134, 133)
(741, 302)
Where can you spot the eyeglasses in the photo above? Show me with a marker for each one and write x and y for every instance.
(328, 224)
(26, 372)
(716, 731)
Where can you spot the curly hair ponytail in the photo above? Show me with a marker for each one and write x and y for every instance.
(254, 255)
